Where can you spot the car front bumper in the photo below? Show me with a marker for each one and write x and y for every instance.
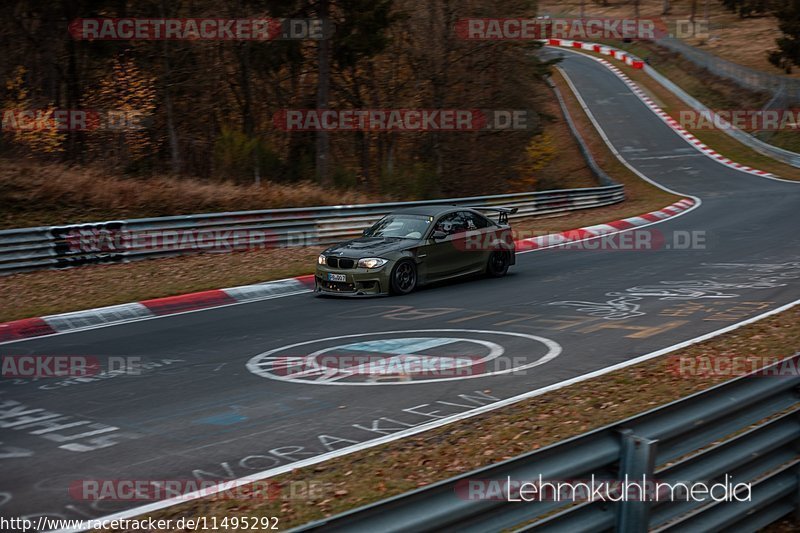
(358, 281)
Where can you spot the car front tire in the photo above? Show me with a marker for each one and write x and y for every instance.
(403, 279)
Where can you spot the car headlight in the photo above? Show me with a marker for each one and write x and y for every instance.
(321, 260)
(371, 262)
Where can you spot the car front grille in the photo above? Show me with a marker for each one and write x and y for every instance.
(341, 262)
(336, 286)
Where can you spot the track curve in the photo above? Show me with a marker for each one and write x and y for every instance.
(197, 411)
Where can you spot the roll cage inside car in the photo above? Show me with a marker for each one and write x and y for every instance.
(474, 211)
(502, 212)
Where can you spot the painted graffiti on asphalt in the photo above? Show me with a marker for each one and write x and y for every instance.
(120, 370)
(627, 304)
(71, 433)
(276, 456)
(398, 357)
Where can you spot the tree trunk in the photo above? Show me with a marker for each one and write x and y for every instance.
(172, 134)
(323, 91)
(248, 120)
(74, 93)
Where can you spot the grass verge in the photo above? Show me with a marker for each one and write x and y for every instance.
(716, 139)
(393, 468)
(35, 194)
(716, 92)
(49, 292)
(38, 194)
(742, 40)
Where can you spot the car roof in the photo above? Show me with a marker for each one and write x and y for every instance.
(429, 210)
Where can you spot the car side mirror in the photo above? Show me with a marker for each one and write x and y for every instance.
(438, 235)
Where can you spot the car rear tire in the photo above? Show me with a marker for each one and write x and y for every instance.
(498, 264)
(404, 277)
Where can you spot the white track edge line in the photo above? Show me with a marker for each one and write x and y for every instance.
(474, 412)
(224, 486)
(611, 147)
(602, 133)
(306, 291)
(154, 317)
(651, 105)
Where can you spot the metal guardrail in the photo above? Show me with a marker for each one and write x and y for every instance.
(129, 240)
(783, 89)
(747, 428)
(769, 150)
(746, 77)
(599, 173)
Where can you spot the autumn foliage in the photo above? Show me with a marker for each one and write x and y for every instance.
(205, 108)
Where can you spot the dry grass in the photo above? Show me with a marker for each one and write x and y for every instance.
(715, 92)
(743, 41)
(716, 139)
(640, 196)
(34, 194)
(787, 525)
(59, 291)
(567, 169)
(386, 470)
(712, 90)
(50, 292)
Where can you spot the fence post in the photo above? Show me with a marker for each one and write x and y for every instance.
(636, 465)
(797, 494)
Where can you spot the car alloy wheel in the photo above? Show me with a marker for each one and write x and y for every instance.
(404, 277)
(498, 264)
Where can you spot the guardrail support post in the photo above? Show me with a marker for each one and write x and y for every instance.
(797, 495)
(637, 462)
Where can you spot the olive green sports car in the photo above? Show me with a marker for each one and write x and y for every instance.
(415, 246)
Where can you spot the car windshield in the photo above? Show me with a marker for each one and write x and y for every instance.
(402, 226)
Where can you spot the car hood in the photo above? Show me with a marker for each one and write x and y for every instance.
(370, 247)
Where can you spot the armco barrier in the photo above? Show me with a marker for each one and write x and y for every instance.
(129, 240)
(769, 150)
(747, 428)
(755, 80)
(600, 174)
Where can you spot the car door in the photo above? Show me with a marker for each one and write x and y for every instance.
(478, 241)
(446, 257)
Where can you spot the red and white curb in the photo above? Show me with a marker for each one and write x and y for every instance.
(579, 234)
(120, 314)
(663, 115)
(625, 57)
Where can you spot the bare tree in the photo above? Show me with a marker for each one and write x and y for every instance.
(323, 141)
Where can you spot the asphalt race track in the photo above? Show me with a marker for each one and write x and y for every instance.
(198, 411)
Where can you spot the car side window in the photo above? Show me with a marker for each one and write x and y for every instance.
(452, 223)
(475, 221)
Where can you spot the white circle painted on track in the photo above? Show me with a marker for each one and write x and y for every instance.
(310, 368)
